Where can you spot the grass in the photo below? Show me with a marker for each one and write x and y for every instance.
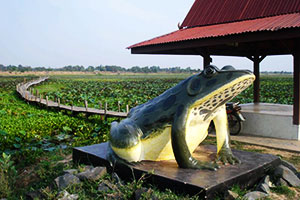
(241, 192)
(294, 159)
(284, 190)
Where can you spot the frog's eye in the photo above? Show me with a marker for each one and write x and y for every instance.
(228, 68)
(210, 71)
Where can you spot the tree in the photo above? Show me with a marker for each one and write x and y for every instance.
(90, 69)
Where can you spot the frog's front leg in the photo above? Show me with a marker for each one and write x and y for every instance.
(180, 149)
(224, 153)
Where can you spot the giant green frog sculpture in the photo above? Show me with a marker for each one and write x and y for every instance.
(173, 124)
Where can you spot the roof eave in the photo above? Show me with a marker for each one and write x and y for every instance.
(186, 47)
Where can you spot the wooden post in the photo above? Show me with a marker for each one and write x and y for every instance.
(127, 108)
(256, 59)
(41, 97)
(47, 101)
(100, 107)
(257, 79)
(36, 94)
(86, 105)
(105, 111)
(206, 60)
(72, 107)
(119, 107)
(256, 88)
(26, 95)
(58, 102)
(32, 94)
(296, 108)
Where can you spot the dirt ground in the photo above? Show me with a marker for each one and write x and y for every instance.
(289, 156)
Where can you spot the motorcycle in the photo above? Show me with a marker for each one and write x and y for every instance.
(235, 118)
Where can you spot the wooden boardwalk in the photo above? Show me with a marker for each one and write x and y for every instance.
(22, 89)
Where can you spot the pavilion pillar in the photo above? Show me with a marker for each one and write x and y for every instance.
(206, 60)
(256, 59)
(256, 87)
(296, 108)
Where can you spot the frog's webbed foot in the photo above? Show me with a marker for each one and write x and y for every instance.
(226, 156)
(114, 159)
(196, 164)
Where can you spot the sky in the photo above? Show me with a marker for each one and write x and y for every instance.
(56, 33)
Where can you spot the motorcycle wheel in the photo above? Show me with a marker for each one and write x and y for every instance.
(211, 128)
(234, 124)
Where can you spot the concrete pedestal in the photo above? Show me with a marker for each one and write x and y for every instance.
(269, 120)
(204, 183)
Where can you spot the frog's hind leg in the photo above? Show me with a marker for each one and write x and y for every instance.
(124, 142)
(114, 159)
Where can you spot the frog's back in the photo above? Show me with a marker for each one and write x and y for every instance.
(159, 111)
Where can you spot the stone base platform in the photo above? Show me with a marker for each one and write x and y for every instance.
(269, 120)
(204, 183)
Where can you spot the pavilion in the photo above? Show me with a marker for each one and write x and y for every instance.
(247, 28)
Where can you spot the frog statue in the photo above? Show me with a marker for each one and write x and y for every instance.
(173, 124)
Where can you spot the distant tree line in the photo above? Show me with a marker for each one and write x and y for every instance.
(100, 68)
(111, 68)
(276, 72)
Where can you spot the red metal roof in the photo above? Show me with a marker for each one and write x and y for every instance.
(205, 12)
(262, 24)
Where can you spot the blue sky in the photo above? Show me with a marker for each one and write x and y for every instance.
(55, 33)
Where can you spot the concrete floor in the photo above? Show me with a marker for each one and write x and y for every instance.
(272, 110)
(281, 144)
(269, 120)
(267, 108)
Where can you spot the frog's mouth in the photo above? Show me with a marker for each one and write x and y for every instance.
(208, 105)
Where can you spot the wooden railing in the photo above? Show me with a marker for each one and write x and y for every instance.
(22, 89)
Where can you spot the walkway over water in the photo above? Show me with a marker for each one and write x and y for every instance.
(22, 89)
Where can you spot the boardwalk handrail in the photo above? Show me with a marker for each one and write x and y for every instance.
(22, 89)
